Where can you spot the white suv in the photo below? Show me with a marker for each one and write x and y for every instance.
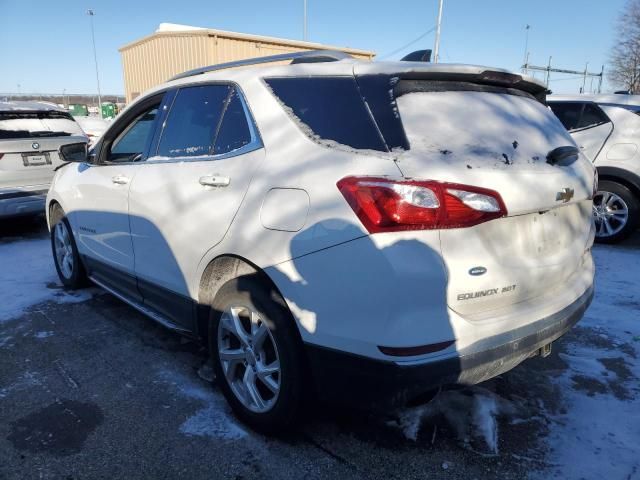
(606, 128)
(31, 134)
(366, 231)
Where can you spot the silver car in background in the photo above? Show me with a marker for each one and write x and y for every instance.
(606, 128)
(31, 133)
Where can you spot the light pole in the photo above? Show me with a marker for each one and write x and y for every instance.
(304, 22)
(436, 48)
(95, 57)
(526, 48)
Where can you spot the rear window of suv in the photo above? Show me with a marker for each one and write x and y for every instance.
(16, 125)
(329, 110)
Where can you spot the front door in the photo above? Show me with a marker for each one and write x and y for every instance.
(102, 223)
(186, 195)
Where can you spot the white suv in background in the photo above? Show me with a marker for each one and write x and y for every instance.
(606, 127)
(367, 230)
(31, 134)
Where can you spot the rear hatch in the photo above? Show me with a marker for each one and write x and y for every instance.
(465, 130)
(29, 144)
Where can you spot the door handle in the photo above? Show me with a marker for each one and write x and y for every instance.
(214, 181)
(120, 179)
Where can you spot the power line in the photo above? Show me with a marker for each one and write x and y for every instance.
(397, 50)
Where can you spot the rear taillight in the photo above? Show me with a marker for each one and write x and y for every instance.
(384, 205)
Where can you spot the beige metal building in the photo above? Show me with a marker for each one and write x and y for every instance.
(173, 49)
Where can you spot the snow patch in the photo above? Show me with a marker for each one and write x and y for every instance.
(29, 277)
(25, 381)
(213, 420)
(486, 138)
(472, 413)
(43, 334)
(598, 435)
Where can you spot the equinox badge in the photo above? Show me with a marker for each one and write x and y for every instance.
(565, 195)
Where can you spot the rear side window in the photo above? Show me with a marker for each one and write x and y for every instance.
(234, 131)
(578, 115)
(193, 121)
(592, 116)
(329, 109)
(15, 125)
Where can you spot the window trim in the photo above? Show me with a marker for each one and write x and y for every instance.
(125, 123)
(254, 144)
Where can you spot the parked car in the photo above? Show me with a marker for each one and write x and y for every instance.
(361, 232)
(31, 134)
(93, 127)
(606, 128)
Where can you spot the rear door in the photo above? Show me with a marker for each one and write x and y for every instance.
(187, 193)
(499, 139)
(586, 122)
(29, 143)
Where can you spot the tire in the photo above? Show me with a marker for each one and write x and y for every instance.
(66, 257)
(608, 204)
(280, 342)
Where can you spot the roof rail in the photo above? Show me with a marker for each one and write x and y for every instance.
(311, 56)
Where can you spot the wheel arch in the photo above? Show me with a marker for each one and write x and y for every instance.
(51, 206)
(219, 271)
(621, 176)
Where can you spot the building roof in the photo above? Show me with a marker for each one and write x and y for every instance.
(173, 30)
(610, 99)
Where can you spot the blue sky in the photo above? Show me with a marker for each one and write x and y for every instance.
(45, 45)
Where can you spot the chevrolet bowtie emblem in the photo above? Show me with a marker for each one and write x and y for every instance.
(565, 195)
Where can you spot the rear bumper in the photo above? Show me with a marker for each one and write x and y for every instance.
(357, 381)
(16, 203)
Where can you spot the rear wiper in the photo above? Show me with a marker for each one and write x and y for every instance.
(563, 156)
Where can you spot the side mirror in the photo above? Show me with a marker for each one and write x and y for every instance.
(74, 152)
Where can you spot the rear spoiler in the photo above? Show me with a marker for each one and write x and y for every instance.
(455, 73)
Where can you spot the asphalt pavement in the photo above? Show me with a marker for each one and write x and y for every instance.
(96, 390)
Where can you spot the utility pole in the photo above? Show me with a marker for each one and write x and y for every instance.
(584, 77)
(95, 58)
(600, 81)
(548, 72)
(304, 23)
(436, 48)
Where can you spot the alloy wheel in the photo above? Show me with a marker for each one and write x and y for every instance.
(249, 358)
(63, 249)
(610, 213)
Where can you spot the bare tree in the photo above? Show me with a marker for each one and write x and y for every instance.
(625, 57)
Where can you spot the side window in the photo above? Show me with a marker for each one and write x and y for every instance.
(329, 108)
(133, 139)
(568, 113)
(234, 130)
(592, 116)
(193, 121)
(578, 115)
